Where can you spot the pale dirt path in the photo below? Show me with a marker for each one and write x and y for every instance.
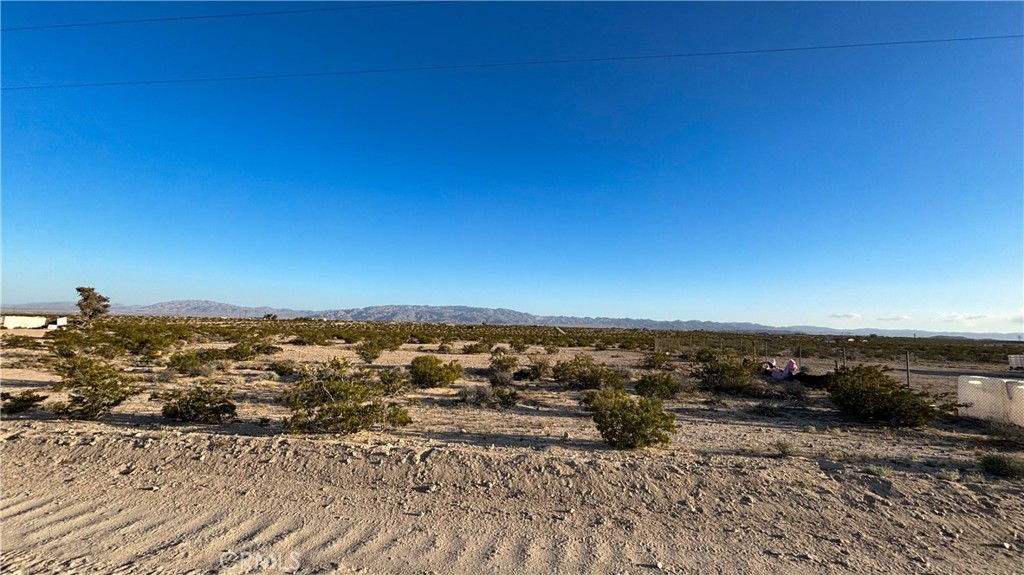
(93, 498)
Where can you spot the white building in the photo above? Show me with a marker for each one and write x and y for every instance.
(23, 321)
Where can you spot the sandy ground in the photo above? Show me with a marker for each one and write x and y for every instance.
(745, 487)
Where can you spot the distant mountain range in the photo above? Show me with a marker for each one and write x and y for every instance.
(469, 315)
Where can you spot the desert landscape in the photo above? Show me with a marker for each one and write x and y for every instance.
(773, 484)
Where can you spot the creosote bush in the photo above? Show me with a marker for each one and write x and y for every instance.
(94, 388)
(202, 403)
(283, 368)
(20, 341)
(488, 396)
(656, 360)
(501, 361)
(867, 393)
(199, 362)
(248, 350)
(429, 371)
(20, 403)
(478, 347)
(626, 422)
(394, 381)
(584, 373)
(369, 350)
(540, 367)
(728, 375)
(658, 385)
(334, 398)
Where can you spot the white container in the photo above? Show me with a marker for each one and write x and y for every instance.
(991, 398)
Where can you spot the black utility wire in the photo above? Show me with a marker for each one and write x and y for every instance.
(504, 64)
(222, 16)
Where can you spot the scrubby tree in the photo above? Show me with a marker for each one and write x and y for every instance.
(91, 303)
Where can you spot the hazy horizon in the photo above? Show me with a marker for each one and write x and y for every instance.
(679, 161)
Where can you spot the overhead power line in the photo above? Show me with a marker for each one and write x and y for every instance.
(502, 64)
(222, 16)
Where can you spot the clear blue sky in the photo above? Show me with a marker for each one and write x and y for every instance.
(860, 187)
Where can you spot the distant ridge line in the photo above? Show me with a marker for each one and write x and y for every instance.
(467, 315)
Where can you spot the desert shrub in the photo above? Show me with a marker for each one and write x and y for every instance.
(502, 367)
(482, 395)
(369, 350)
(501, 361)
(393, 381)
(429, 371)
(94, 388)
(540, 367)
(201, 404)
(487, 396)
(628, 423)
(332, 398)
(195, 362)
(506, 397)
(658, 385)
(867, 393)
(310, 337)
(478, 347)
(583, 372)
(20, 403)
(1002, 465)
(551, 349)
(794, 390)
(656, 360)
(283, 368)
(245, 350)
(728, 376)
(20, 341)
(787, 448)
(519, 346)
(500, 378)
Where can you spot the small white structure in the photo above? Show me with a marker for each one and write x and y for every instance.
(61, 322)
(991, 398)
(1016, 361)
(23, 321)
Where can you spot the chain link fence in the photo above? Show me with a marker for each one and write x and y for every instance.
(993, 399)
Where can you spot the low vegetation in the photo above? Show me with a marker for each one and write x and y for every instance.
(625, 422)
(430, 371)
(584, 373)
(1003, 465)
(658, 386)
(867, 393)
(21, 402)
(334, 398)
(728, 375)
(204, 403)
(94, 388)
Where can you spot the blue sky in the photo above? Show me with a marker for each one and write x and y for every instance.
(859, 187)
